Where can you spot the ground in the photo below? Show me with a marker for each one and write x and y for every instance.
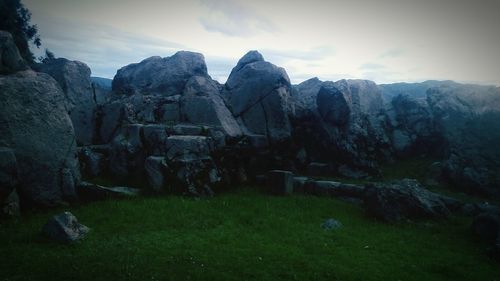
(242, 235)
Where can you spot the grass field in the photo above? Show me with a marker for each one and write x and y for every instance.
(242, 235)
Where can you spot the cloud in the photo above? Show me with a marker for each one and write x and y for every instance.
(317, 54)
(103, 48)
(234, 19)
(371, 66)
(392, 53)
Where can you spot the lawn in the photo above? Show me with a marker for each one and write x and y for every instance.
(242, 235)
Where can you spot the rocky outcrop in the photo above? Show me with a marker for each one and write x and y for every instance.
(467, 116)
(160, 76)
(74, 79)
(201, 103)
(258, 93)
(10, 58)
(412, 125)
(405, 199)
(35, 124)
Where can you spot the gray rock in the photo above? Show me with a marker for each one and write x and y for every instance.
(64, 228)
(258, 93)
(331, 224)
(187, 130)
(9, 206)
(91, 192)
(74, 79)
(34, 122)
(305, 96)
(9, 177)
(201, 103)
(127, 153)
(160, 76)
(102, 89)
(92, 163)
(112, 116)
(333, 105)
(319, 169)
(188, 147)
(299, 184)
(194, 176)
(280, 182)
(156, 168)
(10, 58)
(155, 139)
(405, 199)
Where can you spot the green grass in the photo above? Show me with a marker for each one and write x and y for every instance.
(242, 235)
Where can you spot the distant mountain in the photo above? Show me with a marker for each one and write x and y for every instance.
(104, 83)
(415, 90)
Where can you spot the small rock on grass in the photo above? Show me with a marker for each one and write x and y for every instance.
(64, 228)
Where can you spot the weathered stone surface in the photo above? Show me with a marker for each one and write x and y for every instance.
(160, 76)
(487, 226)
(10, 205)
(92, 162)
(194, 176)
(155, 139)
(35, 124)
(10, 59)
(258, 93)
(299, 184)
(64, 228)
(201, 103)
(9, 174)
(404, 199)
(92, 192)
(188, 147)
(127, 153)
(74, 79)
(155, 168)
(280, 182)
(101, 88)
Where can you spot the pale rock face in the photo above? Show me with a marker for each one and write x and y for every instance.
(258, 94)
(36, 125)
(74, 79)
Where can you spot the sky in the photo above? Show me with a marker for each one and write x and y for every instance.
(385, 40)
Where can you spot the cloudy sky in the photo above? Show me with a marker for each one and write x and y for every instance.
(384, 40)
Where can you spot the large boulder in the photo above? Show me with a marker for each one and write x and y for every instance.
(160, 76)
(34, 123)
(412, 125)
(405, 199)
(280, 182)
(304, 96)
(10, 58)
(467, 116)
(351, 124)
(201, 103)
(258, 94)
(74, 79)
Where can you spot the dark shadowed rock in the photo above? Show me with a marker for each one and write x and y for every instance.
(155, 168)
(201, 103)
(305, 95)
(333, 105)
(9, 174)
(74, 79)
(64, 228)
(333, 189)
(10, 59)
(258, 93)
(188, 147)
(92, 162)
(91, 192)
(127, 153)
(400, 200)
(35, 124)
(487, 226)
(10, 205)
(160, 76)
(280, 182)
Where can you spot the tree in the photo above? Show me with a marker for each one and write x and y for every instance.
(16, 19)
